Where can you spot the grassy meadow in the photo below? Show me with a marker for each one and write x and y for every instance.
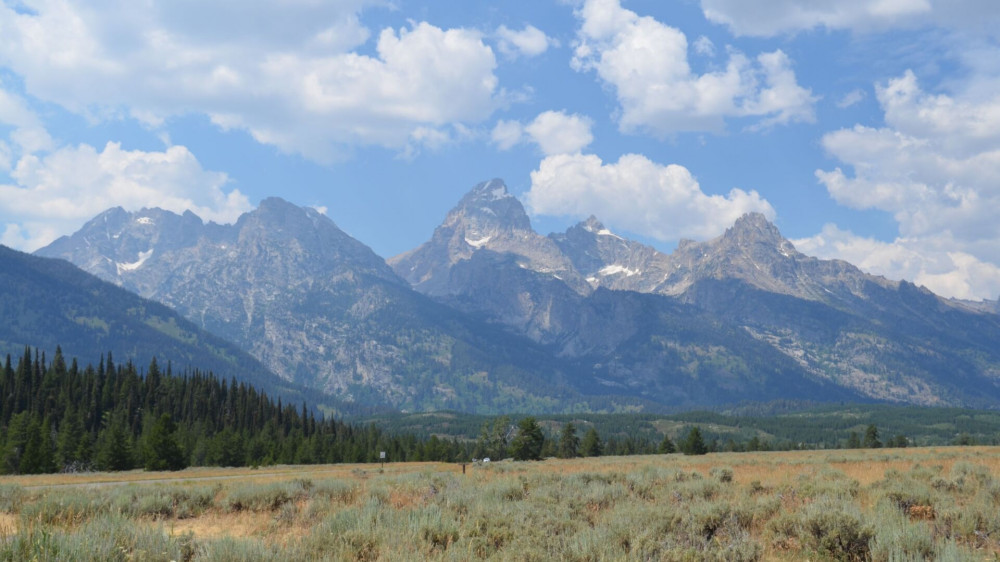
(899, 504)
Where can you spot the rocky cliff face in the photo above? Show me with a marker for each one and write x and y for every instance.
(755, 252)
(608, 260)
(48, 303)
(860, 332)
(512, 320)
(487, 219)
(313, 304)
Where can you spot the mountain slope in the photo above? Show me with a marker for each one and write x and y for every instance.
(488, 218)
(506, 319)
(49, 302)
(661, 349)
(831, 324)
(320, 309)
(611, 261)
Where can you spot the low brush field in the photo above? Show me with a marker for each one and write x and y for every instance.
(899, 504)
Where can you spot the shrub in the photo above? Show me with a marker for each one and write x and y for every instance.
(240, 550)
(11, 496)
(108, 537)
(723, 474)
(896, 538)
(908, 496)
(335, 490)
(838, 528)
(262, 497)
(64, 508)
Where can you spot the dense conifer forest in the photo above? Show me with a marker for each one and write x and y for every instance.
(58, 416)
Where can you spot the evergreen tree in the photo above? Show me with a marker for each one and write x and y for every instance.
(68, 440)
(493, 439)
(46, 450)
(226, 449)
(115, 444)
(666, 446)
(591, 444)
(527, 445)
(964, 439)
(694, 444)
(897, 441)
(569, 443)
(162, 452)
(853, 440)
(871, 438)
(33, 460)
(17, 438)
(53, 417)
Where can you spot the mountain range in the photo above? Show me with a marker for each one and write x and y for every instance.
(48, 303)
(490, 316)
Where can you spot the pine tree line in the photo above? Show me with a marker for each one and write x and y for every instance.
(56, 416)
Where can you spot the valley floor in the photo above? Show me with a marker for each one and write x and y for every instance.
(918, 503)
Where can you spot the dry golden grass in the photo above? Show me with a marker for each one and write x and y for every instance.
(211, 474)
(8, 524)
(217, 525)
(411, 490)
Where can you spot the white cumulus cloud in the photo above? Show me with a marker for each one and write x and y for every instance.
(288, 73)
(638, 195)
(933, 263)
(29, 135)
(851, 98)
(780, 16)
(5, 157)
(704, 46)
(55, 194)
(555, 132)
(789, 16)
(646, 63)
(933, 166)
(529, 42)
(507, 133)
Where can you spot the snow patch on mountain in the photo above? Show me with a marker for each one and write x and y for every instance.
(615, 269)
(143, 256)
(478, 243)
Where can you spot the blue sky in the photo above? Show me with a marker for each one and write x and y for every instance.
(868, 130)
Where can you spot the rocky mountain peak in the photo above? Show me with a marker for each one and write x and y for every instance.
(752, 237)
(488, 219)
(117, 242)
(585, 230)
(279, 217)
(754, 228)
(492, 190)
(592, 224)
(608, 260)
(489, 206)
(113, 216)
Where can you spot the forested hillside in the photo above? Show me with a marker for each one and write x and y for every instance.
(48, 302)
(59, 416)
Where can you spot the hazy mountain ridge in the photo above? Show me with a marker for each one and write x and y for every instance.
(319, 308)
(48, 303)
(608, 260)
(488, 218)
(513, 320)
(863, 333)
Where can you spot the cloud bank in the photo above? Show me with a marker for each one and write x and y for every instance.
(637, 195)
(645, 62)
